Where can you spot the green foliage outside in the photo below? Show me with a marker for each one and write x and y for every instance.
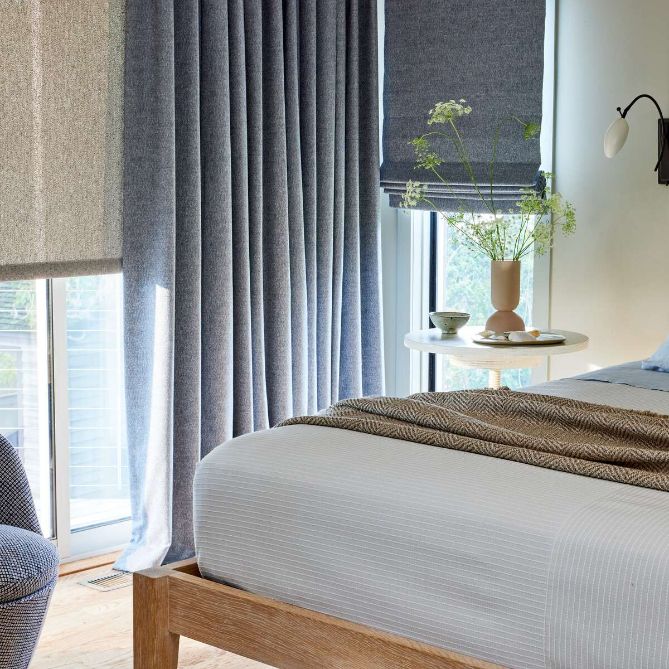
(7, 370)
(17, 315)
(467, 288)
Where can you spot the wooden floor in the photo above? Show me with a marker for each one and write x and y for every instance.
(86, 629)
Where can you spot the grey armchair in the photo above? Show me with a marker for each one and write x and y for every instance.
(28, 565)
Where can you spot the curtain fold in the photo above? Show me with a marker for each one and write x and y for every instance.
(251, 238)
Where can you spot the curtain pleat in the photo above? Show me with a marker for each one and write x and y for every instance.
(243, 416)
(308, 148)
(371, 339)
(296, 234)
(253, 18)
(252, 287)
(187, 273)
(338, 183)
(326, 75)
(351, 318)
(219, 271)
(276, 248)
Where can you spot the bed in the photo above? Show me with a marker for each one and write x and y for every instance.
(320, 547)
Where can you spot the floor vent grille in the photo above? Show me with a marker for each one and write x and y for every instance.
(111, 580)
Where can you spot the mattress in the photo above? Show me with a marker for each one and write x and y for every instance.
(495, 559)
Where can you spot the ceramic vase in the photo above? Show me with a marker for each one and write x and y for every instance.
(505, 296)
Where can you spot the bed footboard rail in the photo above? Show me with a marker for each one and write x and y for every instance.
(174, 601)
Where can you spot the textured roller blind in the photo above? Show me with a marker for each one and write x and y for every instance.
(61, 87)
(489, 52)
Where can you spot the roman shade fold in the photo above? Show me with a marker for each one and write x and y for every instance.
(491, 54)
(61, 124)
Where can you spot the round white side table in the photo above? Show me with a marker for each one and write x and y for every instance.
(464, 352)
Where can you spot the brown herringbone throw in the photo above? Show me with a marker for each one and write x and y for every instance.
(552, 432)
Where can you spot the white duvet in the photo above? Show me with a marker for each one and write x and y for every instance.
(499, 560)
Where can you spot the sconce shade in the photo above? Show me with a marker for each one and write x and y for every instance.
(615, 137)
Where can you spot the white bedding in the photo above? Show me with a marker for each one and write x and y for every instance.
(500, 560)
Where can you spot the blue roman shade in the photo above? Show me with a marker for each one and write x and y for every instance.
(489, 52)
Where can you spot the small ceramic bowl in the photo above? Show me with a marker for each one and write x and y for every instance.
(449, 322)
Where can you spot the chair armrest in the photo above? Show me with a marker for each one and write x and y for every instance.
(16, 502)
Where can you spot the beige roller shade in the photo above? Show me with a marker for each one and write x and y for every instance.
(61, 124)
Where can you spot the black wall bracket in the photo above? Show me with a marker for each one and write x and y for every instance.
(662, 164)
(663, 156)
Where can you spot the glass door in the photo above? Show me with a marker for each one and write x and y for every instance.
(93, 500)
(62, 405)
(24, 387)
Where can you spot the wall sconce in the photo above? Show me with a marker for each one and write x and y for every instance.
(617, 132)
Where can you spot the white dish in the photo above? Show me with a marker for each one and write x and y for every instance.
(544, 339)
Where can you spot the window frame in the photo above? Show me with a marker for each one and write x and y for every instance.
(91, 540)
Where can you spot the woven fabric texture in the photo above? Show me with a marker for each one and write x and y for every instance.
(20, 626)
(480, 59)
(61, 85)
(251, 233)
(28, 565)
(556, 433)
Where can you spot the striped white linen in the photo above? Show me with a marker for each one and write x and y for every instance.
(500, 560)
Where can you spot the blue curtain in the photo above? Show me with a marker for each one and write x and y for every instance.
(251, 234)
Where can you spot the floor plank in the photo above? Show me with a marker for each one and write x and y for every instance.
(86, 629)
(105, 560)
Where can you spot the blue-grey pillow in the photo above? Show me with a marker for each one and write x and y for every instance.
(659, 361)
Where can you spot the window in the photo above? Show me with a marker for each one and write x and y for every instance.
(61, 405)
(99, 491)
(24, 386)
(460, 281)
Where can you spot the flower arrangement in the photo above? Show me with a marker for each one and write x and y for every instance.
(531, 226)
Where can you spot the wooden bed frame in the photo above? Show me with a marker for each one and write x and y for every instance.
(174, 601)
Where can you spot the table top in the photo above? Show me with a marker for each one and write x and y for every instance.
(462, 346)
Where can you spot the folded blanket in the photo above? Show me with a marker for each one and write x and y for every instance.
(551, 432)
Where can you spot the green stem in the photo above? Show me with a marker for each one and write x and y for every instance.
(528, 240)
(526, 243)
(463, 159)
(466, 163)
(462, 231)
(520, 237)
(460, 202)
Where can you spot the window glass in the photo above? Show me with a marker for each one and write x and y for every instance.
(24, 386)
(97, 451)
(463, 284)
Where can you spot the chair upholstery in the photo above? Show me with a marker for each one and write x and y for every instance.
(28, 565)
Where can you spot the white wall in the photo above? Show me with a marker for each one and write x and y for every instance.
(611, 279)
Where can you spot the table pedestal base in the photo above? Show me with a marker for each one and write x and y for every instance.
(495, 367)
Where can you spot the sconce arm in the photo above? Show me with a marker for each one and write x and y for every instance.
(623, 114)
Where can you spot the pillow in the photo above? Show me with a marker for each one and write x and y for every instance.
(659, 361)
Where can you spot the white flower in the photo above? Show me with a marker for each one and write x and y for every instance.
(413, 194)
(443, 112)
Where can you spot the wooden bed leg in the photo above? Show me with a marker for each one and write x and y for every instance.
(154, 646)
